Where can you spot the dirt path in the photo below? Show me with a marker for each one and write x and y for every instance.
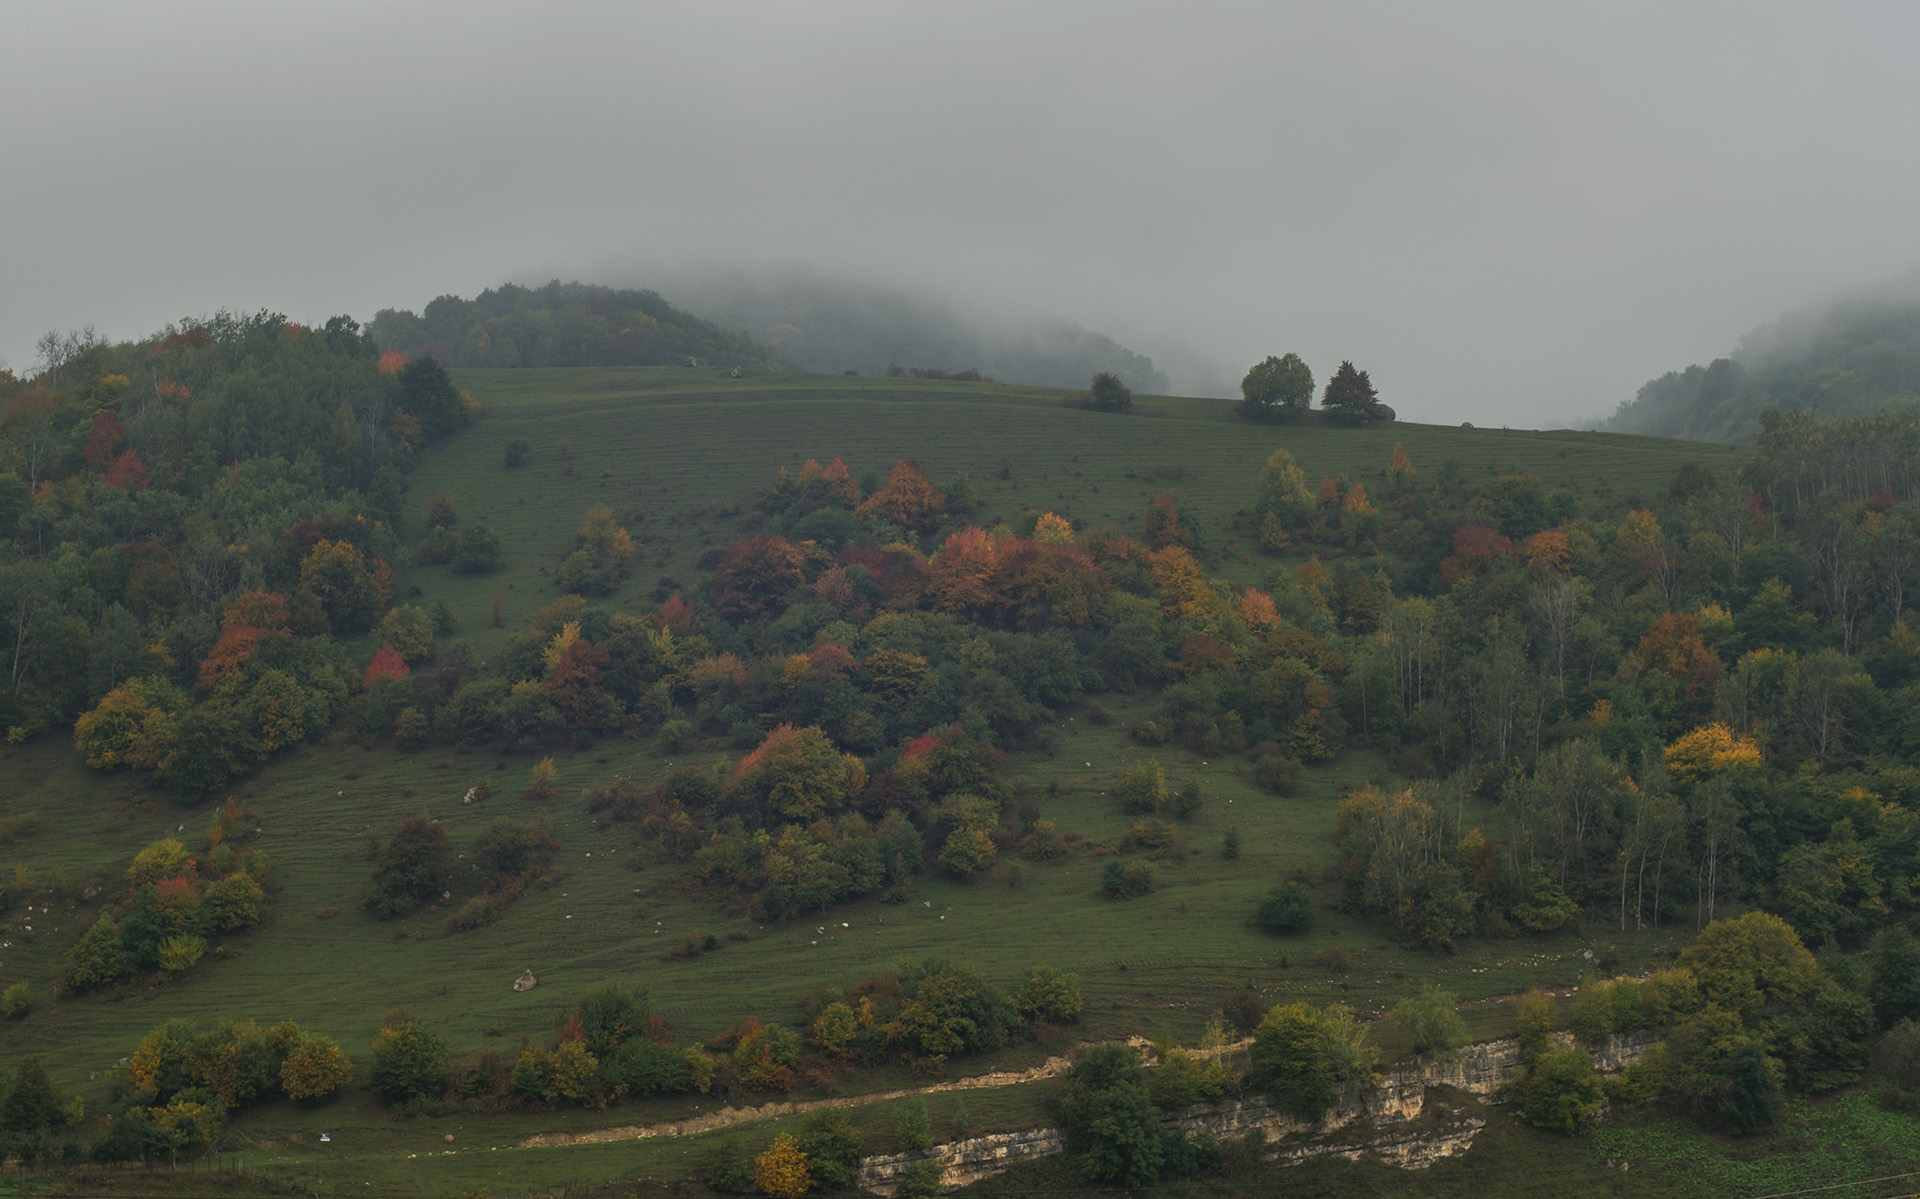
(727, 1117)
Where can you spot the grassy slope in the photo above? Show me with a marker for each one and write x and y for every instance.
(673, 445)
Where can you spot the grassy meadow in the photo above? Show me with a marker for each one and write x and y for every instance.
(669, 450)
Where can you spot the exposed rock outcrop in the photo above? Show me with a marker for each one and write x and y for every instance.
(1389, 1122)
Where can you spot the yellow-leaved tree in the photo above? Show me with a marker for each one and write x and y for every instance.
(782, 1170)
(1709, 750)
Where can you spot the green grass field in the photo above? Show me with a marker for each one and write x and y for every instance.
(668, 448)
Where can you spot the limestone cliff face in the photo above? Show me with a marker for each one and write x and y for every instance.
(962, 1162)
(1390, 1122)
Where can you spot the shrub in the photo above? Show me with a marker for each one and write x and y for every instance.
(1562, 1093)
(233, 902)
(314, 1071)
(511, 847)
(782, 1171)
(478, 552)
(1429, 1022)
(1140, 877)
(832, 1146)
(1533, 1021)
(1143, 788)
(1230, 844)
(1336, 959)
(516, 452)
(912, 1131)
(163, 859)
(1152, 834)
(766, 1055)
(412, 868)
(1187, 802)
(409, 630)
(1183, 1080)
(1287, 909)
(647, 1067)
(1592, 1015)
(1243, 1009)
(1896, 1062)
(179, 953)
(1277, 773)
(835, 1029)
(16, 1001)
(1126, 881)
(409, 1061)
(1288, 1061)
(724, 1168)
(1113, 1131)
(477, 912)
(1050, 996)
(921, 1180)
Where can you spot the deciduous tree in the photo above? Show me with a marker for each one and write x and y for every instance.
(1275, 388)
(1349, 394)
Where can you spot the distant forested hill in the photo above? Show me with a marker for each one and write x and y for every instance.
(562, 324)
(830, 325)
(1852, 358)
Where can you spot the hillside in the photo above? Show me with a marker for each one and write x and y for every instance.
(828, 325)
(1407, 636)
(1851, 358)
(561, 324)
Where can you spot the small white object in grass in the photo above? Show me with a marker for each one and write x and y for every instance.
(844, 924)
(324, 1137)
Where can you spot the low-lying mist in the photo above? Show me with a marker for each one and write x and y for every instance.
(831, 323)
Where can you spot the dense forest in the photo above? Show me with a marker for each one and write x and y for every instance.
(561, 324)
(195, 518)
(818, 323)
(1849, 359)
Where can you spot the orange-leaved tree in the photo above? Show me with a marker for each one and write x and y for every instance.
(1400, 469)
(1166, 525)
(908, 499)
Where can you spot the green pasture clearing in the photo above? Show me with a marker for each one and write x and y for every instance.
(666, 448)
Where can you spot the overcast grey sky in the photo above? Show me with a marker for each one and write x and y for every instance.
(1509, 213)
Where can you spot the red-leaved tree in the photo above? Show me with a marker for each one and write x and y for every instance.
(386, 664)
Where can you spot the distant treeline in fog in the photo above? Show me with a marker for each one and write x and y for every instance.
(816, 323)
(1850, 359)
(561, 324)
